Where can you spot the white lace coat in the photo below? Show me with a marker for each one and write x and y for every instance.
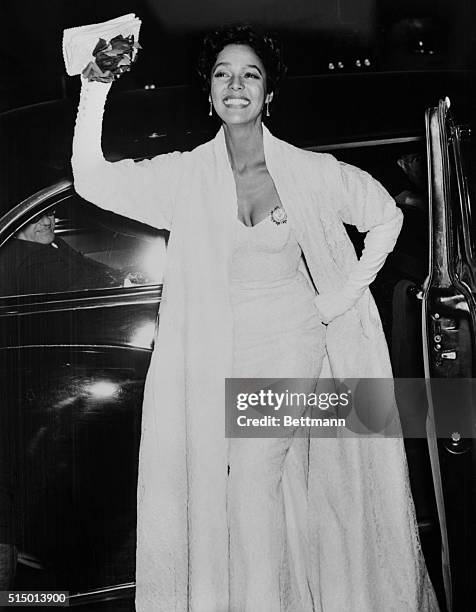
(360, 531)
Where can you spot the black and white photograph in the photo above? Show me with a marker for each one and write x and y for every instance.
(238, 305)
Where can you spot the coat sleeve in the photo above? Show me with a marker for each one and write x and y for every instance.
(144, 190)
(363, 202)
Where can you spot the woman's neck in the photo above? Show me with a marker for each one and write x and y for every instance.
(244, 144)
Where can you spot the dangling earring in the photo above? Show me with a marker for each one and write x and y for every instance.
(267, 108)
(210, 112)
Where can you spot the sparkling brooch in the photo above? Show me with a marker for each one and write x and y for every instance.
(278, 215)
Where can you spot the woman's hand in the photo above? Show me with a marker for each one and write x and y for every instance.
(92, 72)
(111, 59)
(332, 305)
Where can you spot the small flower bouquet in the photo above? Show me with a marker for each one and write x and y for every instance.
(102, 51)
(112, 58)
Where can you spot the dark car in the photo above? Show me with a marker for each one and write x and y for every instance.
(73, 362)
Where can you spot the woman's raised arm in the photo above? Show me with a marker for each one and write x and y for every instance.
(144, 190)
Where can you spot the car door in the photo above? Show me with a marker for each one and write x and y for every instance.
(72, 365)
(449, 324)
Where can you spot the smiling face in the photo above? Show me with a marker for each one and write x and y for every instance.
(40, 230)
(238, 85)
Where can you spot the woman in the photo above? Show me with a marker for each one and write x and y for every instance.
(264, 524)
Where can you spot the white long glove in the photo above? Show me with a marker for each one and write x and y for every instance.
(144, 191)
(87, 151)
(379, 242)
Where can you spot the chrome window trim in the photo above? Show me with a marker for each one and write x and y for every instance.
(120, 591)
(365, 143)
(121, 296)
(79, 347)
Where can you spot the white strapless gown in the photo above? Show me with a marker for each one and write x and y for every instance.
(277, 334)
(293, 550)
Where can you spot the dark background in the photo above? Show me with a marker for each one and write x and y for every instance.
(391, 34)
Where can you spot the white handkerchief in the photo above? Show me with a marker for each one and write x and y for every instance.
(79, 43)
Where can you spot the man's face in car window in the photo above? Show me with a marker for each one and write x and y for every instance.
(413, 164)
(41, 229)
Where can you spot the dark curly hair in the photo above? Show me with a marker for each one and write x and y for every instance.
(265, 45)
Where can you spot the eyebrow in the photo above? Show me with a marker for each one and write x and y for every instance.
(228, 64)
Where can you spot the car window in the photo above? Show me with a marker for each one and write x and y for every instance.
(73, 246)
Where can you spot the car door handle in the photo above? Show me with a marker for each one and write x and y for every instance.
(448, 355)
